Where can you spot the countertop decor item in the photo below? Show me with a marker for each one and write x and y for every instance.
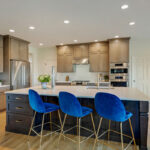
(44, 79)
(67, 78)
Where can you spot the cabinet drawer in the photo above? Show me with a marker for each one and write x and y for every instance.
(18, 123)
(17, 97)
(21, 108)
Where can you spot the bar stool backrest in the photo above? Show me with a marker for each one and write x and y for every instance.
(109, 106)
(36, 102)
(69, 104)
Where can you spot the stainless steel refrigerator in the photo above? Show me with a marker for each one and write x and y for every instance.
(19, 74)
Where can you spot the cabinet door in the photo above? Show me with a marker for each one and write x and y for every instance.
(14, 48)
(68, 50)
(104, 62)
(119, 51)
(23, 51)
(68, 66)
(1, 59)
(77, 52)
(94, 62)
(60, 63)
(2, 101)
(94, 48)
(60, 50)
(1, 41)
(80, 51)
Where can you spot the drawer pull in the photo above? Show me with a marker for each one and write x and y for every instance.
(17, 121)
(19, 108)
(18, 98)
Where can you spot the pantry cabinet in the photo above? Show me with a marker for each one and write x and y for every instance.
(119, 50)
(99, 57)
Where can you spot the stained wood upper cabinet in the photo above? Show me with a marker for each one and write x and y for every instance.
(99, 57)
(1, 53)
(18, 49)
(23, 52)
(64, 59)
(119, 50)
(80, 51)
(14, 48)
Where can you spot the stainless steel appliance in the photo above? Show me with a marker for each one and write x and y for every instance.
(80, 82)
(19, 74)
(119, 74)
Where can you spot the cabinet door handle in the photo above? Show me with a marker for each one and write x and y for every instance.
(18, 121)
(19, 108)
(18, 98)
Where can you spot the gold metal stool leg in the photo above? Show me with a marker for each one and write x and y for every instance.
(93, 125)
(31, 125)
(50, 120)
(109, 130)
(135, 147)
(79, 132)
(60, 119)
(121, 136)
(99, 126)
(42, 129)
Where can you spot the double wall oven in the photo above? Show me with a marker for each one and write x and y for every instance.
(119, 74)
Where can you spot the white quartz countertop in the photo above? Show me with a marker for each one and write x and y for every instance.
(4, 87)
(124, 93)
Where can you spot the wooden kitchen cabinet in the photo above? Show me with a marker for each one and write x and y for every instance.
(2, 101)
(80, 51)
(119, 50)
(18, 48)
(1, 54)
(99, 57)
(14, 48)
(64, 59)
(23, 52)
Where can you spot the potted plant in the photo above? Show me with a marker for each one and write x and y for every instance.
(44, 79)
(0, 82)
(106, 78)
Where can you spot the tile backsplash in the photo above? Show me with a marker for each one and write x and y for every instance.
(81, 73)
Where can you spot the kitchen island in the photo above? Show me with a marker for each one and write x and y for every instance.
(19, 113)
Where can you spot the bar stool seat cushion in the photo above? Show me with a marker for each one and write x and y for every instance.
(49, 107)
(110, 107)
(86, 111)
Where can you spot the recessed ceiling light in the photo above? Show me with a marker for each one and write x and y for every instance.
(31, 27)
(95, 40)
(61, 44)
(41, 44)
(66, 21)
(125, 6)
(11, 30)
(117, 36)
(75, 41)
(131, 23)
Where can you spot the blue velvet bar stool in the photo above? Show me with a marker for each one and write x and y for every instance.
(70, 105)
(110, 107)
(39, 106)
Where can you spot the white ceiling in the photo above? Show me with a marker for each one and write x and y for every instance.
(90, 20)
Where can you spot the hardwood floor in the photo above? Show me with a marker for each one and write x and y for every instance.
(12, 141)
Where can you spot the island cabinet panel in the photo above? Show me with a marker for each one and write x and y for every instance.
(80, 51)
(1, 54)
(19, 113)
(119, 50)
(64, 59)
(99, 57)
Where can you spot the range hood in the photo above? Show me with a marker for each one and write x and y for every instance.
(82, 61)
